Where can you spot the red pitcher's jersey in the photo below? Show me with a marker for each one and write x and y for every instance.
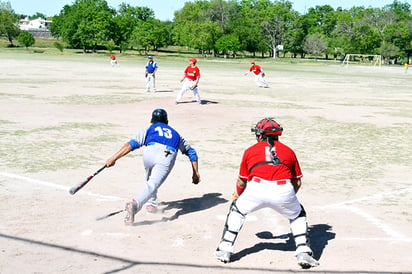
(192, 73)
(260, 152)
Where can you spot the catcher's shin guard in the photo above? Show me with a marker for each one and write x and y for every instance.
(234, 222)
(299, 228)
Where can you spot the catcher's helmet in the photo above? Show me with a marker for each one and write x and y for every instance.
(267, 126)
(159, 115)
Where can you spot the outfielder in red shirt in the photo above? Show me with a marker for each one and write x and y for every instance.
(259, 75)
(190, 81)
(269, 176)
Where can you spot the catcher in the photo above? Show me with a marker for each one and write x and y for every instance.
(269, 176)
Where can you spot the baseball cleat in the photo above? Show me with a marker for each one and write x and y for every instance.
(131, 210)
(223, 256)
(305, 260)
(151, 208)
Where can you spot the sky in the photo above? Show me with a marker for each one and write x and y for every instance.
(164, 9)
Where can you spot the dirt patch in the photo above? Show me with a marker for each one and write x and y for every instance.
(62, 118)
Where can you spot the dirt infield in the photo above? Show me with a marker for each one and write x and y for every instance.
(62, 117)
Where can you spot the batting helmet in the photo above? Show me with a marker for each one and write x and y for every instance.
(267, 126)
(159, 115)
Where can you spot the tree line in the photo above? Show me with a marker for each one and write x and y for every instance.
(230, 27)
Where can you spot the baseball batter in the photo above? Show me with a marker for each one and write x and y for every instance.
(150, 74)
(259, 75)
(190, 81)
(162, 144)
(269, 176)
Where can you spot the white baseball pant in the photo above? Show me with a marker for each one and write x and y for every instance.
(187, 85)
(158, 165)
(150, 81)
(280, 197)
(261, 81)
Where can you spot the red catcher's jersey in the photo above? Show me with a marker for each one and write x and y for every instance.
(259, 152)
(255, 69)
(192, 73)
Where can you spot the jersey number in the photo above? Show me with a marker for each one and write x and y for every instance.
(165, 132)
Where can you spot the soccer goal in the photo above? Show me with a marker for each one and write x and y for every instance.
(363, 59)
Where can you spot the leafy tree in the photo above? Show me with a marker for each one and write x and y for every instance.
(277, 24)
(248, 27)
(322, 20)
(38, 15)
(314, 44)
(192, 28)
(224, 13)
(126, 21)
(228, 43)
(294, 37)
(389, 51)
(26, 39)
(85, 24)
(8, 22)
(150, 34)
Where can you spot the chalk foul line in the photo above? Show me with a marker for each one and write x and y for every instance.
(57, 186)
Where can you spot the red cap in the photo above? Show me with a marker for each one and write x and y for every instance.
(253, 62)
(193, 60)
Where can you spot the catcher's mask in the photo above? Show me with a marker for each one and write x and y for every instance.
(159, 115)
(267, 126)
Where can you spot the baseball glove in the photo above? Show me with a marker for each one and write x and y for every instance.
(263, 74)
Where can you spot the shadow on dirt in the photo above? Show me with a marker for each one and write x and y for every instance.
(186, 206)
(319, 236)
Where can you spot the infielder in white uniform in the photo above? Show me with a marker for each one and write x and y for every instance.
(150, 74)
(269, 176)
(162, 144)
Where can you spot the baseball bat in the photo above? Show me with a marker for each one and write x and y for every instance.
(74, 189)
(108, 215)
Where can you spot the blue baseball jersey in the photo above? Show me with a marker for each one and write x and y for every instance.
(151, 67)
(163, 134)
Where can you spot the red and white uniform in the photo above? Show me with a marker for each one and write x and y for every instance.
(268, 186)
(113, 60)
(258, 72)
(190, 81)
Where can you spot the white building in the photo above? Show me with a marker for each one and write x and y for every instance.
(36, 24)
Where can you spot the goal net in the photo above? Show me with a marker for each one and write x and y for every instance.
(363, 59)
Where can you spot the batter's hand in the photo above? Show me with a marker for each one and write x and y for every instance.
(195, 178)
(110, 162)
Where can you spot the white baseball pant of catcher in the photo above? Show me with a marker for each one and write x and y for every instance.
(281, 198)
(187, 85)
(158, 165)
(150, 81)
